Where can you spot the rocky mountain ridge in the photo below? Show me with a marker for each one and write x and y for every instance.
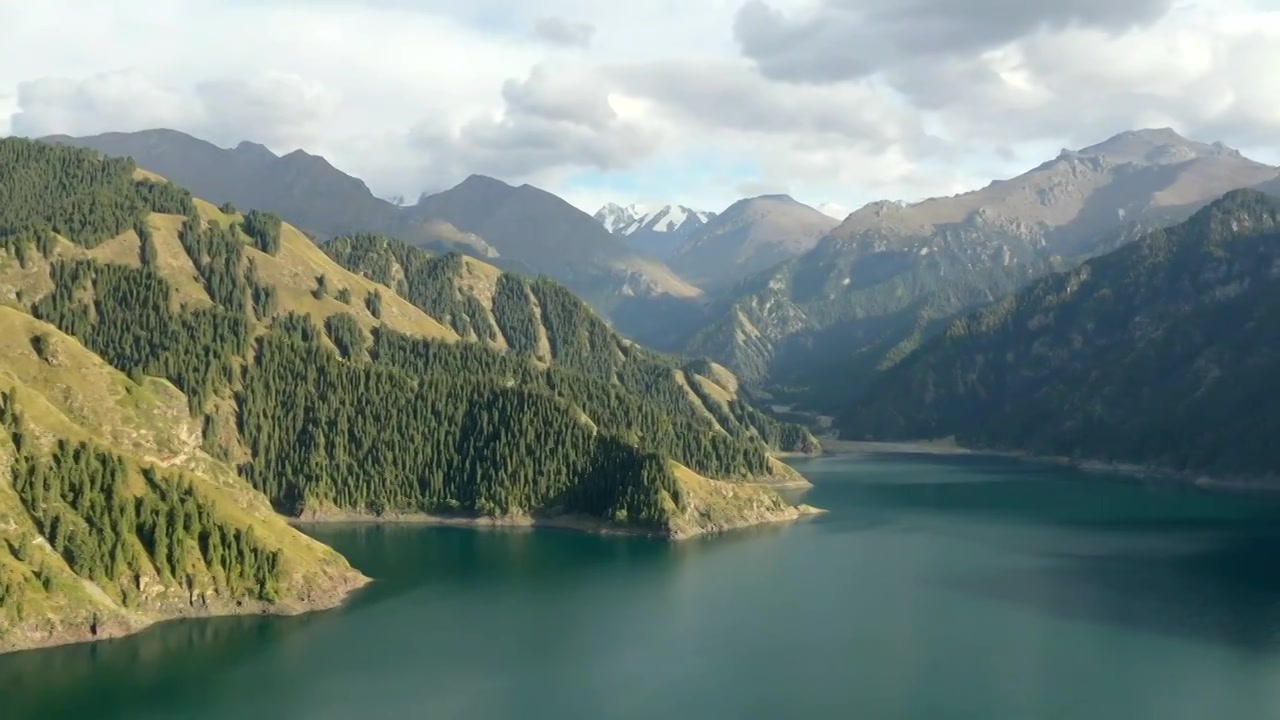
(891, 274)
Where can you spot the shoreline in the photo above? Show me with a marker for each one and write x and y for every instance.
(141, 621)
(1260, 485)
(562, 522)
(131, 622)
(576, 523)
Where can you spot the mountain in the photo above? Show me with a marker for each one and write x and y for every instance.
(545, 234)
(614, 217)
(533, 232)
(893, 274)
(660, 232)
(1156, 354)
(303, 188)
(175, 377)
(751, 235)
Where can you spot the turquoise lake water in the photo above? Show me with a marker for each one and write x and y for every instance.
(936, 587)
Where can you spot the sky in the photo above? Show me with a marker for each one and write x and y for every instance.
(696, 102)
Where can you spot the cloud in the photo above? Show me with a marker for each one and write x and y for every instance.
(560, 31)
(560, 93)
(1080, 85)
(730, 95)
(833, 210)
(275, 109)
(846, 39)
(558, 119)
(829, 100)
(125, 100)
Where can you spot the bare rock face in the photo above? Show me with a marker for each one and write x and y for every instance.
(48, 348)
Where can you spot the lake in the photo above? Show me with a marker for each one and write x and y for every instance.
(936, 587)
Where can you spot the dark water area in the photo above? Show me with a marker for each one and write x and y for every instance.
(936, 587)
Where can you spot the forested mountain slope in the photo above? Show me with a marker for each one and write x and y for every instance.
(540, 319)
(112, 516)
(291, 382)
(1165, 352)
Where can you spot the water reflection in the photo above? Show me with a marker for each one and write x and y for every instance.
(1003, 489)
(1226, 591)
(1141, 555)
(156, 663)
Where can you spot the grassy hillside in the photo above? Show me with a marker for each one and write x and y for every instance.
(178, 371)
(50, 589)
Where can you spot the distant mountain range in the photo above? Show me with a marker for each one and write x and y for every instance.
(615, 217)
(659, 232)
(1164, 353)
(785, 294)
(519, 228)
(751, 235)
(710, 249)
(893, 274)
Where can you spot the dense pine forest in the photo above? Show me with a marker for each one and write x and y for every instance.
(617, 383)
(544, 410)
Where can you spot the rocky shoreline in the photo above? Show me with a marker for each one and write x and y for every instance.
(578, 523)
(116, 622)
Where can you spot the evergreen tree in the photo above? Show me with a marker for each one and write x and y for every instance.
(264, 229)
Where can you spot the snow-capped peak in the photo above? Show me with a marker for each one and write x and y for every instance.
(614, 217)
(668, 219)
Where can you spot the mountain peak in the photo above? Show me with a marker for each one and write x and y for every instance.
(780, 197)
(255, 150)
(615, 217)
(1244, 211)
(669, 219)
(656, 232)
(749, 236)
(1152, 146)
(302, 156)
(476, 180)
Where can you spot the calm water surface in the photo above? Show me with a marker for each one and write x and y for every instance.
(935, 588)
